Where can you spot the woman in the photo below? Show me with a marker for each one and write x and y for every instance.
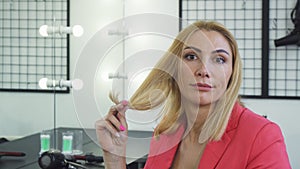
(204, 125)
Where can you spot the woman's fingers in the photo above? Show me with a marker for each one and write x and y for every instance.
(113, 127)
(122, 107)
(119, 113)
(104, 124)
(115, 121)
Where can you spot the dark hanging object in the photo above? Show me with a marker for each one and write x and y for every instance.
(294, 37)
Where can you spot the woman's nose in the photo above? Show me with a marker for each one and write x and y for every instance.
(202, 70)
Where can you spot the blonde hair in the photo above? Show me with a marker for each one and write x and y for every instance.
(162, 78)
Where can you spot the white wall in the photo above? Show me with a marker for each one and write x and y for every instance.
(27, 113)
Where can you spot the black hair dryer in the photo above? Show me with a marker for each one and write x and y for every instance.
(54, 159)
(294, 37)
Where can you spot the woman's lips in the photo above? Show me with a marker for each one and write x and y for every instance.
(202, 86)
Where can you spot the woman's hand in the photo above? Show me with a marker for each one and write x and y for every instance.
(112, 136)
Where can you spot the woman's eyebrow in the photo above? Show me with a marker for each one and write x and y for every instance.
(221, 51)
(193, 48)
(199, 50)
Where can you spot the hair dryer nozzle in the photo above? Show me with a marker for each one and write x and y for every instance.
(291, 39)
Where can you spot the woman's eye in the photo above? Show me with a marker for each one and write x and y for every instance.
(190, 57)
(220, 60)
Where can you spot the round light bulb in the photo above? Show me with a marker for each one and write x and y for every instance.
(77, 30)
(43, 30)
(43, 83)
(105, 76)
(77, 84)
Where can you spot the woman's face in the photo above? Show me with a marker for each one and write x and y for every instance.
(206, 67)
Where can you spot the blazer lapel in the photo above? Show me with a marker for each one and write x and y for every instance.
(215, 149)
(213, 152)
(163, 149)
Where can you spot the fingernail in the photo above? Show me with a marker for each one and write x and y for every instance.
(124, 102)
(122, 128)
(118, 135)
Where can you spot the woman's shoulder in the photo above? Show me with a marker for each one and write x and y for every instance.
(241, 114)
(254, 118)
(244, 117)
(265, 139)
(255, 124)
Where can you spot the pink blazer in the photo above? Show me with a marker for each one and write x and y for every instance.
(250, 142)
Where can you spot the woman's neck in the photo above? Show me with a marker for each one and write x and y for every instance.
(196, 117)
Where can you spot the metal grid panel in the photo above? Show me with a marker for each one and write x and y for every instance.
(284, 69)
(268, 71)
(26, 56)
(243, 19)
